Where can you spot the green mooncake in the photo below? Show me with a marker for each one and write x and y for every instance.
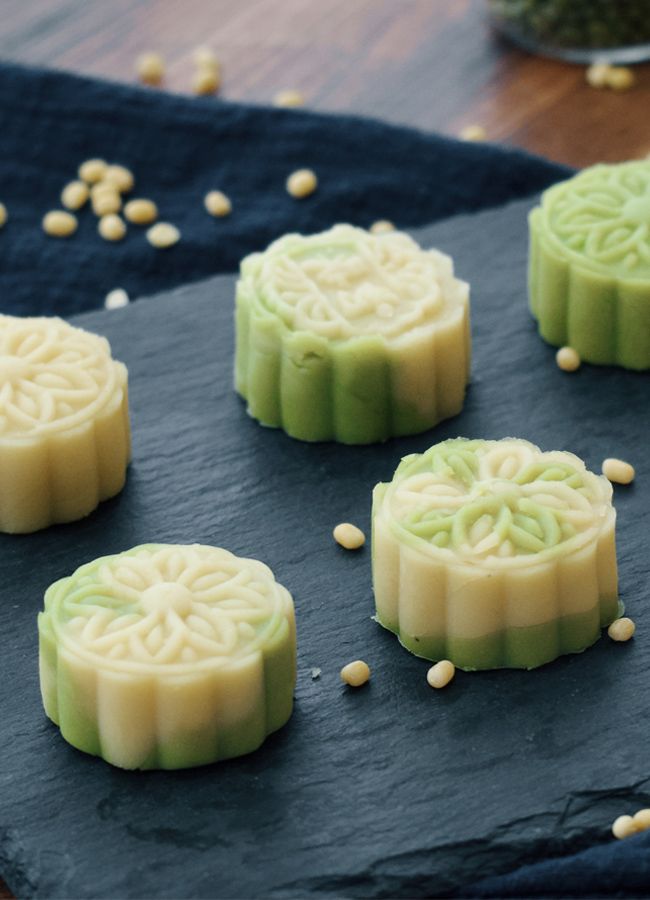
(589, 268)
(493, 554)
(166, 657)
(351, 336)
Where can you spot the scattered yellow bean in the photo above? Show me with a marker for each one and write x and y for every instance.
(217, 204)
(206, 81)
(163, 235)
(120, 177)
(642, 819)
(58, 223)
(620, 78)
(289, 98)
(441, 674)
(349, 536)
(74, 195)
(116, 298)
(568, 359)
(621, 629)
(111, 227)
(355, 673)
(204, 58)
(105, 201)
(382, 226)
(141, 211)
(102, 187)
(623, 827)
(3, 214)
(302, 183)
(92, 170)
(150, 68)
(618, 471)
(597, 74)
(473, 133)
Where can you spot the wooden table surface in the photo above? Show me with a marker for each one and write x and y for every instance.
(433, 64)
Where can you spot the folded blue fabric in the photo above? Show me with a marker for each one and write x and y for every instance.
(616, 869)
(179, 148)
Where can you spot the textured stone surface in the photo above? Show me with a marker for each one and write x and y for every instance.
(390, 790)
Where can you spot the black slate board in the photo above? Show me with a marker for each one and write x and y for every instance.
(392, 790)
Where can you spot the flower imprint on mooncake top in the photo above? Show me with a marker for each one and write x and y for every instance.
(349, 282)
(52, 376)
(603, 214)
(485, 500)
(162, 605)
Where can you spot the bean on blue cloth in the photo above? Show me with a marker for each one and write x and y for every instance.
(179, 148)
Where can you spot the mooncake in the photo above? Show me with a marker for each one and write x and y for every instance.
(494, 553)
(168, 656)
(351, 336)
(589, 266)
(64, 423)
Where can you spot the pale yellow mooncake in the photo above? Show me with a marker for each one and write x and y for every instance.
(64, 423)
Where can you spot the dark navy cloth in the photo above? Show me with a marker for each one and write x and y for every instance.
(615, 869)
(179, 148)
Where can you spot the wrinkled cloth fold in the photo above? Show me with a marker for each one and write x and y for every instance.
(179, 148)
(615, 869)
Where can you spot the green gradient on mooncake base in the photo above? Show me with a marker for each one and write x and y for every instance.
(516, 648)
(167, 657)
(351, 336)
(493, 553)
(589, 264)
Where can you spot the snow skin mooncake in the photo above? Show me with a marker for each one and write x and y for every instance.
(494, 553)
(589, 267)
(351, 336)
(64, 423)
(168, 656)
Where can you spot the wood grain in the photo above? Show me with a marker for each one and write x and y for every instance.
(428, 63)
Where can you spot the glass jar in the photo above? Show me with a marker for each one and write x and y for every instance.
(616, 31)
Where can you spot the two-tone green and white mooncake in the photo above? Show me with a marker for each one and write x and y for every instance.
(351, 336)
(493, 553)
(166, 657)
